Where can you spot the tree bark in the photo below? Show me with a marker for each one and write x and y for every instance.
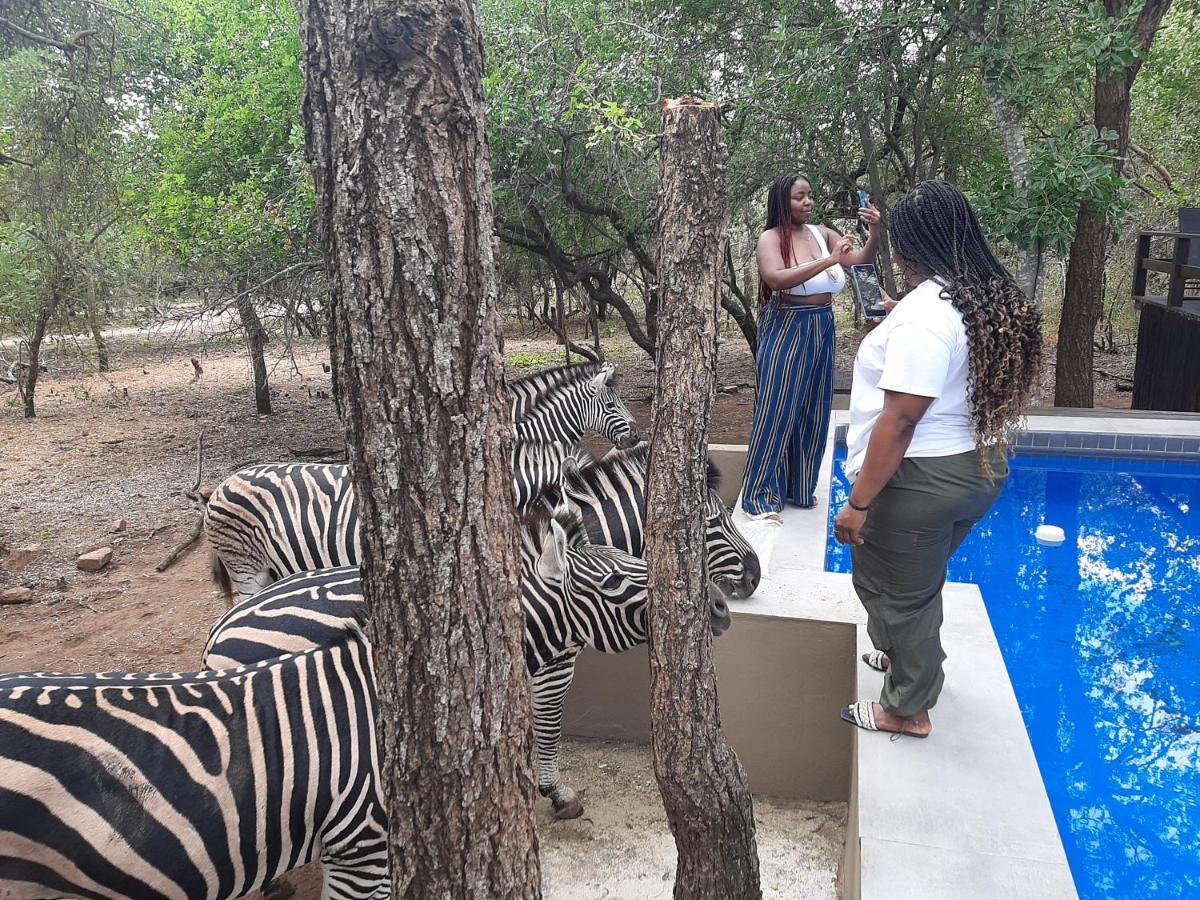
(256, 339)
(702, 783)
(394, 120)
(1029, 272)
(28, 382)
(93, 322)
(1083, 299)
(879, 198)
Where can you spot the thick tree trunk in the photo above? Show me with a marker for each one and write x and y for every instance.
(394, 120)
(1084, 296)
(702, 782)
(256, 339)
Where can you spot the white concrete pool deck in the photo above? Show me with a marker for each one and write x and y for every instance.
(965, 812)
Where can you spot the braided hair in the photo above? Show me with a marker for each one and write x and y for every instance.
(779, 215)
(934, 227)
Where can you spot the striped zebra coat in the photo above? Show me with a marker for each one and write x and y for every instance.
(198, 786)
(611, 497)
(573, 594)
(561, 404)
(265, 522)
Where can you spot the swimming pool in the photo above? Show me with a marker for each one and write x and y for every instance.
(1101, 637)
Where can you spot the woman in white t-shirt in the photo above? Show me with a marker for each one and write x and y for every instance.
(938, 387)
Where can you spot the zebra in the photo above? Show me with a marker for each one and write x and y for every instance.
(564, 411)
(530, 390)
(573, 594)
(264, 522)
(611, 496)
(200, 785)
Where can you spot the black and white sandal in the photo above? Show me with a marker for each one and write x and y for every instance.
(861, 714)
(875, 659)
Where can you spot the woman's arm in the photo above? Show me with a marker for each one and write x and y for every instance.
(866, 253)
(778, 277)
(890, 438)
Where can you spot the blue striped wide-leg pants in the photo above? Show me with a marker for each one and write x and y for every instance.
(791, 410)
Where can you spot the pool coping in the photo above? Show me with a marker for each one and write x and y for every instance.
(967, 809)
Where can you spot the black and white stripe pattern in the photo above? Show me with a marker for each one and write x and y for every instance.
(268, 521)
(187, 786)
(565, 411)
(611, 496)
(573, 595)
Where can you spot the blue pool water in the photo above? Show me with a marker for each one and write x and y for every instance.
(1101, 637)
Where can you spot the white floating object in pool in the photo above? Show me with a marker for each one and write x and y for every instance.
(1049, 535)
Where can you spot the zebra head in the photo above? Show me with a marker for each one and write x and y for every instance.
(732, 562)
(603, 589)
(611, 496)
(606, 412)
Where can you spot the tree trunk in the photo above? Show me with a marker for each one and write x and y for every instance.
(879, 198)
(702, 782)
(93, 322)
(27, 384)
(394, 120)
(256, 339)
(1083, 299)
(1029, 274)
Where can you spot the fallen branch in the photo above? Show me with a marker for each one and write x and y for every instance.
(200, 499)
(182, 547)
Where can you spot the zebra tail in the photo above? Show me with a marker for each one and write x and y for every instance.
(220, 575)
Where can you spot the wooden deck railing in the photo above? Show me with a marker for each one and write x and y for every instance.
(1180, 267)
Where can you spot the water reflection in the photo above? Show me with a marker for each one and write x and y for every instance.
(1100, 637)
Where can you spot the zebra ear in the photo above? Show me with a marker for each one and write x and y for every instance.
(552, 563)
(602, 378)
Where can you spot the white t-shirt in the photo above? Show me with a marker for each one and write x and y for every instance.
(920, 348)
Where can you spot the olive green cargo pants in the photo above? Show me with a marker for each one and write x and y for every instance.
(915, 524)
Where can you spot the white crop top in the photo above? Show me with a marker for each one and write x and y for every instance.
(829, 281)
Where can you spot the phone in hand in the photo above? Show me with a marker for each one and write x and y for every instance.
(865, 279)
(863, 199)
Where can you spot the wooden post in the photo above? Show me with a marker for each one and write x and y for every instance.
(1175, 287)
(703, 786)
(1139, 270)
(394, 121)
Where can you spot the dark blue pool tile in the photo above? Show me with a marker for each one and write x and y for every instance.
(1107, 441)
(1140, 442)
(1090, 441)
(1073, 441)
(1174, 445)
(1124, 442)
(1041, 439)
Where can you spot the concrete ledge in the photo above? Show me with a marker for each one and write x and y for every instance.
(966, 808)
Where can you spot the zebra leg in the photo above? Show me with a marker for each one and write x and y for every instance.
(549, 690)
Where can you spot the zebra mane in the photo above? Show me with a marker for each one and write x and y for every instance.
(638, 456)
(536, 525)
(539, 384)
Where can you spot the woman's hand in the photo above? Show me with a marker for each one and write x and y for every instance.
(870, 215)
(848, 524)
(843, 248)
(887, 303)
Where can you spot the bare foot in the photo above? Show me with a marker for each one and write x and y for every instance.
(916, 724)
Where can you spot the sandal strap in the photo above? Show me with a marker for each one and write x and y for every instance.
(864, 714)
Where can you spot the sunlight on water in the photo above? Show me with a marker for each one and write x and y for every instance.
(1101, 637)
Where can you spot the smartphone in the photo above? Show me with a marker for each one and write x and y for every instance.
(863, 199)
(865, 280)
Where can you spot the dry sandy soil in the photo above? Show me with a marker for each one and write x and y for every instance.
(123, 446)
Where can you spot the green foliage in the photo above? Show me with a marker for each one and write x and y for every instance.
(229, 188)
(1069, 167)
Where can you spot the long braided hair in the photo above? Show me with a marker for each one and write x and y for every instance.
(934, 227)
(779, 215)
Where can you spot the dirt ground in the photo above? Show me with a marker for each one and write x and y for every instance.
(122, 446)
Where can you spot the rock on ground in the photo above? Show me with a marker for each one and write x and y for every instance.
(95, 561)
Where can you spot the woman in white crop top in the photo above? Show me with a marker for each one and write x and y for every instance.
(799, 271)
(938, 388)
